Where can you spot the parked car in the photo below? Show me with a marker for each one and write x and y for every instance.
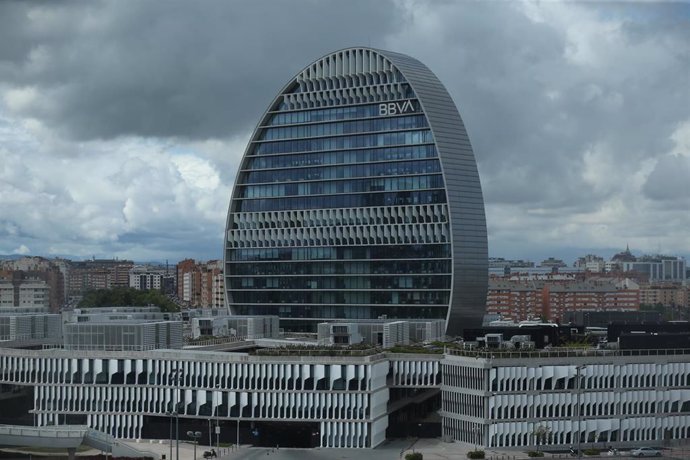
(645, 452)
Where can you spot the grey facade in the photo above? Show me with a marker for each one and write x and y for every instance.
(605, 398)
(241, 327)
(357, 197)
(495, 400)
(124, 335)
(30, 327)
(386, 333)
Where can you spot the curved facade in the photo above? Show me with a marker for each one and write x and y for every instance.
(358, 196)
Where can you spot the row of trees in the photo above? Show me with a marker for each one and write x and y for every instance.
(123, 297)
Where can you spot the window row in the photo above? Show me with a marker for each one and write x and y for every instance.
(185, 374)
(539, 409)
(245, 296)
(340, 217)
(347, 70)
(411, 267)
(223, 404)
(422, 251)
(345, 282)
(346, 96)
(464, 377)
(342, 172)
(341, 311)
(335, 113)
(342, 201)
(345, 142)
(464, 404)
(645, 377)
(405, 372)
(345, 236)
(412, 152)
(345, 127)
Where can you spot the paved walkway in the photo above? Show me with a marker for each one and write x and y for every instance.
(433, 449)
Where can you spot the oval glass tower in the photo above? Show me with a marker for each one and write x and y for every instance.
(358, 197)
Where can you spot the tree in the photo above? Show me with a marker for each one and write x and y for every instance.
(542, 435)
(123, 297)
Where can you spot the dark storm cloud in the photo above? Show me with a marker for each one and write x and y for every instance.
(185, 69)
(536, 98)
(670, 182)
(122, 123)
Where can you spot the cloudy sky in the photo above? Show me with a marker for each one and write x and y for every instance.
(122, 123)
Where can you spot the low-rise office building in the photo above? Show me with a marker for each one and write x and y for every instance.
(491, 399)
(601, 397)
(382, 332)
(246, 327)
(33, 327)
(125, 335)
(99, 315)
(342, 401)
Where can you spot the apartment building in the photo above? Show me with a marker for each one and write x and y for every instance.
(520, 299)
(201, 284)
(665, 294)
(97, 274)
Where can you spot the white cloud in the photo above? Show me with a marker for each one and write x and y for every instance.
(112, 197)
(19, 99)
(578, 114)
(22, 249)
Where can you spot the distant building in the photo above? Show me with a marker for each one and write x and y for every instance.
(553, 263)
(658, 268)
(201, 284)
(212, 284)
(604, 318)
(97, 274)
(582, 262)
(623, 256)
(664, 294)
(519, 300)
(147, 278)
(187, 287)
(19, 292)
(591, 262)
(51, 271)
(606, 295)
(247, 327)
(515, 300)
(500, 262)
(384, 333)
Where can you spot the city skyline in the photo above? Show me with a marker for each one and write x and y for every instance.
(120, 137)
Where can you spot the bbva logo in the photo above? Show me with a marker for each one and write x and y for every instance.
(394, 108)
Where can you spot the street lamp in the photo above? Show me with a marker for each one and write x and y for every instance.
(210, 441)
(217, 419)
(579, 415)
(175, 412)
(195, 435)
(171, 415)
